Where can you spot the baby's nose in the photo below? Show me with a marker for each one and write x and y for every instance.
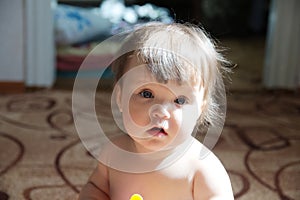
(160, 111)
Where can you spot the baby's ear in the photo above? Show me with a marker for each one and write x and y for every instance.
(118, 96)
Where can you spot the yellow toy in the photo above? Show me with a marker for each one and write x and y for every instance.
(136, 197)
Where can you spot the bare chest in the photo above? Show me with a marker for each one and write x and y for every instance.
(152, 186)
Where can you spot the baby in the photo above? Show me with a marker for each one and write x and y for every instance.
(165, 91)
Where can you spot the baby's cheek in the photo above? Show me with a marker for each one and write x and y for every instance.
(192, 111)
(139, 114)
(190, 117)
(177, 116)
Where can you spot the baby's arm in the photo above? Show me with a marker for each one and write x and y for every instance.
(211, 181)
(97, 186)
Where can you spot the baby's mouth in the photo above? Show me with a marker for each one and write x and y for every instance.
(157, 131)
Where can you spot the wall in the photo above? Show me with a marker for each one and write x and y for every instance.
(11, 41)
(26, 44)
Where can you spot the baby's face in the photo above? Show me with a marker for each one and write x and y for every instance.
(156, 115)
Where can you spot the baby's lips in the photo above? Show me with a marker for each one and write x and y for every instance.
(156, 131)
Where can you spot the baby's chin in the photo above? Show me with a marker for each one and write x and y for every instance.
(156, 146)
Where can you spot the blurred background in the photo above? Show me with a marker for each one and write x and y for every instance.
(43, 43)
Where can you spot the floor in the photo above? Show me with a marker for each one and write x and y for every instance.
(248, 55)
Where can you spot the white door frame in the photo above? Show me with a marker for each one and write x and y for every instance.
(282, 69)
(39, 51)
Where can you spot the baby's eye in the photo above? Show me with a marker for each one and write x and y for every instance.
(146, 94)
(180, 100)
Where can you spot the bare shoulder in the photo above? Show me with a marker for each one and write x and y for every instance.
(97, 186)
(100, 176)
(211, 180)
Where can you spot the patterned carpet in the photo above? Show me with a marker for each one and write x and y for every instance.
(42, 158)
